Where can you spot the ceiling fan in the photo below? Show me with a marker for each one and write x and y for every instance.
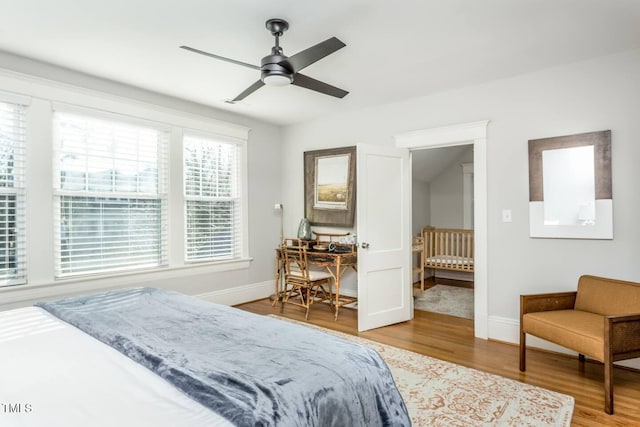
(277, 69)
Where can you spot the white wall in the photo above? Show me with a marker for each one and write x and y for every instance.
(447, 194)
(223, 282)
(421, 206)
(586, 96)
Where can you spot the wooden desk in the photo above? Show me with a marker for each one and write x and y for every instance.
(336, 264)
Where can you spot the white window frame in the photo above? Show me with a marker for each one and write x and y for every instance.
(161, 195)
(238, 198)
(18, 189)
(45, 96)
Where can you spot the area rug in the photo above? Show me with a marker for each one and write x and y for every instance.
(451, 300)
(439, 393)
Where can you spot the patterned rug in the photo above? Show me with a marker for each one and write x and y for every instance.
(439, 393)
(451, 300)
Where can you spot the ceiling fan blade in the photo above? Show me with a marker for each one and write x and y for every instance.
(313, 84)
(308, 56)
(233, 61)
(248, 91)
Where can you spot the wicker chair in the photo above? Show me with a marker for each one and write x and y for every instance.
(302, 286)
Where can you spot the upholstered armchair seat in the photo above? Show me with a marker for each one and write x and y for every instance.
(578, 330)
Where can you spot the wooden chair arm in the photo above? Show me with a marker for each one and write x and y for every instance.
(547, 302)
(623, 335)
(624, 317)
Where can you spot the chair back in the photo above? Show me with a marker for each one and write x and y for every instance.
(607, 297)
(296, 266)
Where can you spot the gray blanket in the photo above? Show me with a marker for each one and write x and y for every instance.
(253, 370)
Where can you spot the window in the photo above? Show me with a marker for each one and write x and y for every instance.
(110, 193)
(12, 194)
(213, 208)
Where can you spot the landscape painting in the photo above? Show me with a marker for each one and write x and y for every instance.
(332, 179)
(329, 185)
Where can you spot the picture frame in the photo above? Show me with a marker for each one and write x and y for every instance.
(330, 186)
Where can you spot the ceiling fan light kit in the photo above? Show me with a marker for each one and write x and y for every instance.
(277, 69)
(276, 80)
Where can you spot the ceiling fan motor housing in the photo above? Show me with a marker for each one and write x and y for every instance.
(272, 66)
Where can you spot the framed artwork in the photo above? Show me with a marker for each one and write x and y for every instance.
(570, 194)
(329, 186)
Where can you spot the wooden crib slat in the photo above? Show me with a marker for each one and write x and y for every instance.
(448, 249)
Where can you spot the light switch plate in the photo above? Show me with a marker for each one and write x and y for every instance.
(506, 215)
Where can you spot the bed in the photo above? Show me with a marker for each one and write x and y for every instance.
(145, 356)
(448, 249)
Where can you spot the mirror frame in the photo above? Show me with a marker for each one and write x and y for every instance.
(603, 228)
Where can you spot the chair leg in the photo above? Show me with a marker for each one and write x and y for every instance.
(581, 364)
(608, 387)
(523, 350)
(332, 301)
(307, 302)
(285, 298)
(328, 295)
(314, 293)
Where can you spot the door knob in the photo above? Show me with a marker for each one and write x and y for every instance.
(364, 245)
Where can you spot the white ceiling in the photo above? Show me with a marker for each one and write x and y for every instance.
(426, 165)
(395, 50)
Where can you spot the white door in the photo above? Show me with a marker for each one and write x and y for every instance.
(384, 232)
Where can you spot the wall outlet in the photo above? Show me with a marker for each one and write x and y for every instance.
(506, 215)
(277, 206)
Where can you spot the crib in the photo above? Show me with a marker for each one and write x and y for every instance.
(448, 249)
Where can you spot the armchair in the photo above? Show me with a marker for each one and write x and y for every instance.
(601, 320)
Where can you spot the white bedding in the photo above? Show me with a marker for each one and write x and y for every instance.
(52, 374)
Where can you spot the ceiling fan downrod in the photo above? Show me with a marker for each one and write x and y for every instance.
(273, 72)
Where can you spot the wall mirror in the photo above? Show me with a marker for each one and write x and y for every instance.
(570, 192)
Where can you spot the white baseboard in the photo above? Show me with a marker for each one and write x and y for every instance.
(508, 330)
(504, 329)
(348, 292)
(240, 294)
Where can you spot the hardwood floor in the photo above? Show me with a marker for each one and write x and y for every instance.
(451, 338)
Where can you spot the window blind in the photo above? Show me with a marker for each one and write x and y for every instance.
(110, 193)
(12, 194)
(213, 208)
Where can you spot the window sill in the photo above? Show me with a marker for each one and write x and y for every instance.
(21, 295)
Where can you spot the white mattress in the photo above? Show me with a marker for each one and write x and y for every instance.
(449, 260)
(53, 374)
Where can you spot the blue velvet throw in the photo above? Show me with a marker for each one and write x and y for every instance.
(253, 370)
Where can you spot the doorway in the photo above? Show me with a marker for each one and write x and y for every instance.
(442, 199)
(474, 133)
